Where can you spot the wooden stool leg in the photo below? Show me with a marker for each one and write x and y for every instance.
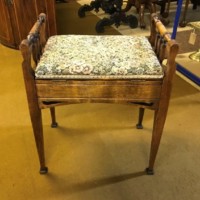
(54, 124)
(35, 114)
(159, 121)
(36, 119)
(140, 119)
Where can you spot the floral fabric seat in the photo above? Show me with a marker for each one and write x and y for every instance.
(97, 57)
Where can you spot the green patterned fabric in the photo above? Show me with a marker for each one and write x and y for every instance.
(97, 57)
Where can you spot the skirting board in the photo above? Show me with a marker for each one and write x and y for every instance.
(188, 74)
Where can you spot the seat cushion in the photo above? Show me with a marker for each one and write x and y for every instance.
(98, 57)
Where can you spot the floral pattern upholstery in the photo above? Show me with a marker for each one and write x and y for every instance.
(97, 57)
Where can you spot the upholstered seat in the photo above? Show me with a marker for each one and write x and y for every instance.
(97, 57)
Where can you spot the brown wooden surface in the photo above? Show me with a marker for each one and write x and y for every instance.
(6, 32)
(17, 19)
(127, 90)
(147, 93)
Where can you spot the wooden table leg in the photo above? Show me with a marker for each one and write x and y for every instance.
(183, 21)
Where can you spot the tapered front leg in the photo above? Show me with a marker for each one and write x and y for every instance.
(36, 116)
(159, 122)
(36, 119)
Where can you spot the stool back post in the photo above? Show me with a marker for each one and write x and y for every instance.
(153, 32)
(167, 49)
(31, 49)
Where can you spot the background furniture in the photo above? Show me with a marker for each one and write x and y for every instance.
(17, 17)
(112, 7)
(74, 69)
(164, 11)
(141, 5)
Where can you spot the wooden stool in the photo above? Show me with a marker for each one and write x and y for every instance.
(98, 69)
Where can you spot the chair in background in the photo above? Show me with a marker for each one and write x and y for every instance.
(98, 69)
